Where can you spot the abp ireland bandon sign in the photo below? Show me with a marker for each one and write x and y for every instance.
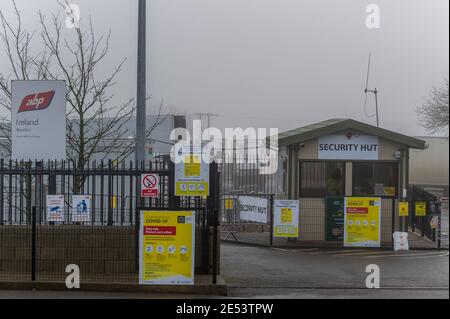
(38, 120)
(348, 147)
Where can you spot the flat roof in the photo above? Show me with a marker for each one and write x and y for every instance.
(331, 126)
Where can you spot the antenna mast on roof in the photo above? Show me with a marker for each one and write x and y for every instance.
(375, 92)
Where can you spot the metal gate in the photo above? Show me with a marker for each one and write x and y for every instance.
(106, 247)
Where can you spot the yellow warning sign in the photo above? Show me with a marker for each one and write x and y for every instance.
(286, 215)
(421, 208)
(403, 208)
(228, 203)
(191, 165)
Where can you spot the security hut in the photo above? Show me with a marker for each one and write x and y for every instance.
(337, 158)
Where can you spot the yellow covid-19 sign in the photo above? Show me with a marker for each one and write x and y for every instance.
(362, 221)
(167, 248)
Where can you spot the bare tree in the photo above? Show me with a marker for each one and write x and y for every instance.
(96, 125)
(433, 113)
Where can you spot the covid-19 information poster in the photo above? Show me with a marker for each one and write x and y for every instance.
(167, 248)
(362, 222)
(285, 220)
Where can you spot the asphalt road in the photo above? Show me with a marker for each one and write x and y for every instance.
(257, 272)
(317, 273)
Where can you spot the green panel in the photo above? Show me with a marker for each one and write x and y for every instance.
(334, 218)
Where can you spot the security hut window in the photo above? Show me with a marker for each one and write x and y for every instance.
(319, 179)
(374, 179)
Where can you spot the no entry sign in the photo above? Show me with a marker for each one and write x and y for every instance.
(149, 185)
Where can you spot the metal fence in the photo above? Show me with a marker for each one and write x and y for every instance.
(106, 247)
(426, 227)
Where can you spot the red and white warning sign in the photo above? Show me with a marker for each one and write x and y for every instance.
(149, 185)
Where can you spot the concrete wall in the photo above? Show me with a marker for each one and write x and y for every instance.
(99, 251)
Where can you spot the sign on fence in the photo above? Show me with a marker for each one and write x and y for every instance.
(285, 218)
(403, 209)
(167, 248)
(81, 208)
(55, 208)
(191, 173)
(149, 185)
(38, 120)
(421, 208)
(253, 209)
(362, 222)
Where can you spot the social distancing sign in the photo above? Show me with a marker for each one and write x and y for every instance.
(285, 218)
(167, 248)
(362, 220)
(149, 185)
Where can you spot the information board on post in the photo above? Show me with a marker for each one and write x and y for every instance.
(38, 120)
(55, 208)
(285, 218)
(191, 172)
(253, 209)
(362, 222)
(167, 248)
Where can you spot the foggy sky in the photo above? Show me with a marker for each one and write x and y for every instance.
(274, 63)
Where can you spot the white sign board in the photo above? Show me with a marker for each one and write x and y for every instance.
(149, 185)
(285, 218)
(348, 147)
(191, 172)
(55, 208)
(81, 208)
(38, 120)
(253, 209)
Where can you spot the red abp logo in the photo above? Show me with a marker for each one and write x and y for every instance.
(37, 101)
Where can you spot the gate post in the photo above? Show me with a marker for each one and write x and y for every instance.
(393, 221)
(271, 220)
(214, 206)
(33, 243)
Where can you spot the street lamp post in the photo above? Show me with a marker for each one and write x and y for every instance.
(141, 85)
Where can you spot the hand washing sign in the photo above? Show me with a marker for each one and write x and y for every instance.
(38, 120)
(362, 222)
(285, 218)
(348, 147)
(167, 248)
(81, 208)
(55, 208)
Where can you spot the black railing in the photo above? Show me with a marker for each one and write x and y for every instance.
(105, 247)
(427, 226)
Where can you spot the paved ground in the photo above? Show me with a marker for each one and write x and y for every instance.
(330, 273)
